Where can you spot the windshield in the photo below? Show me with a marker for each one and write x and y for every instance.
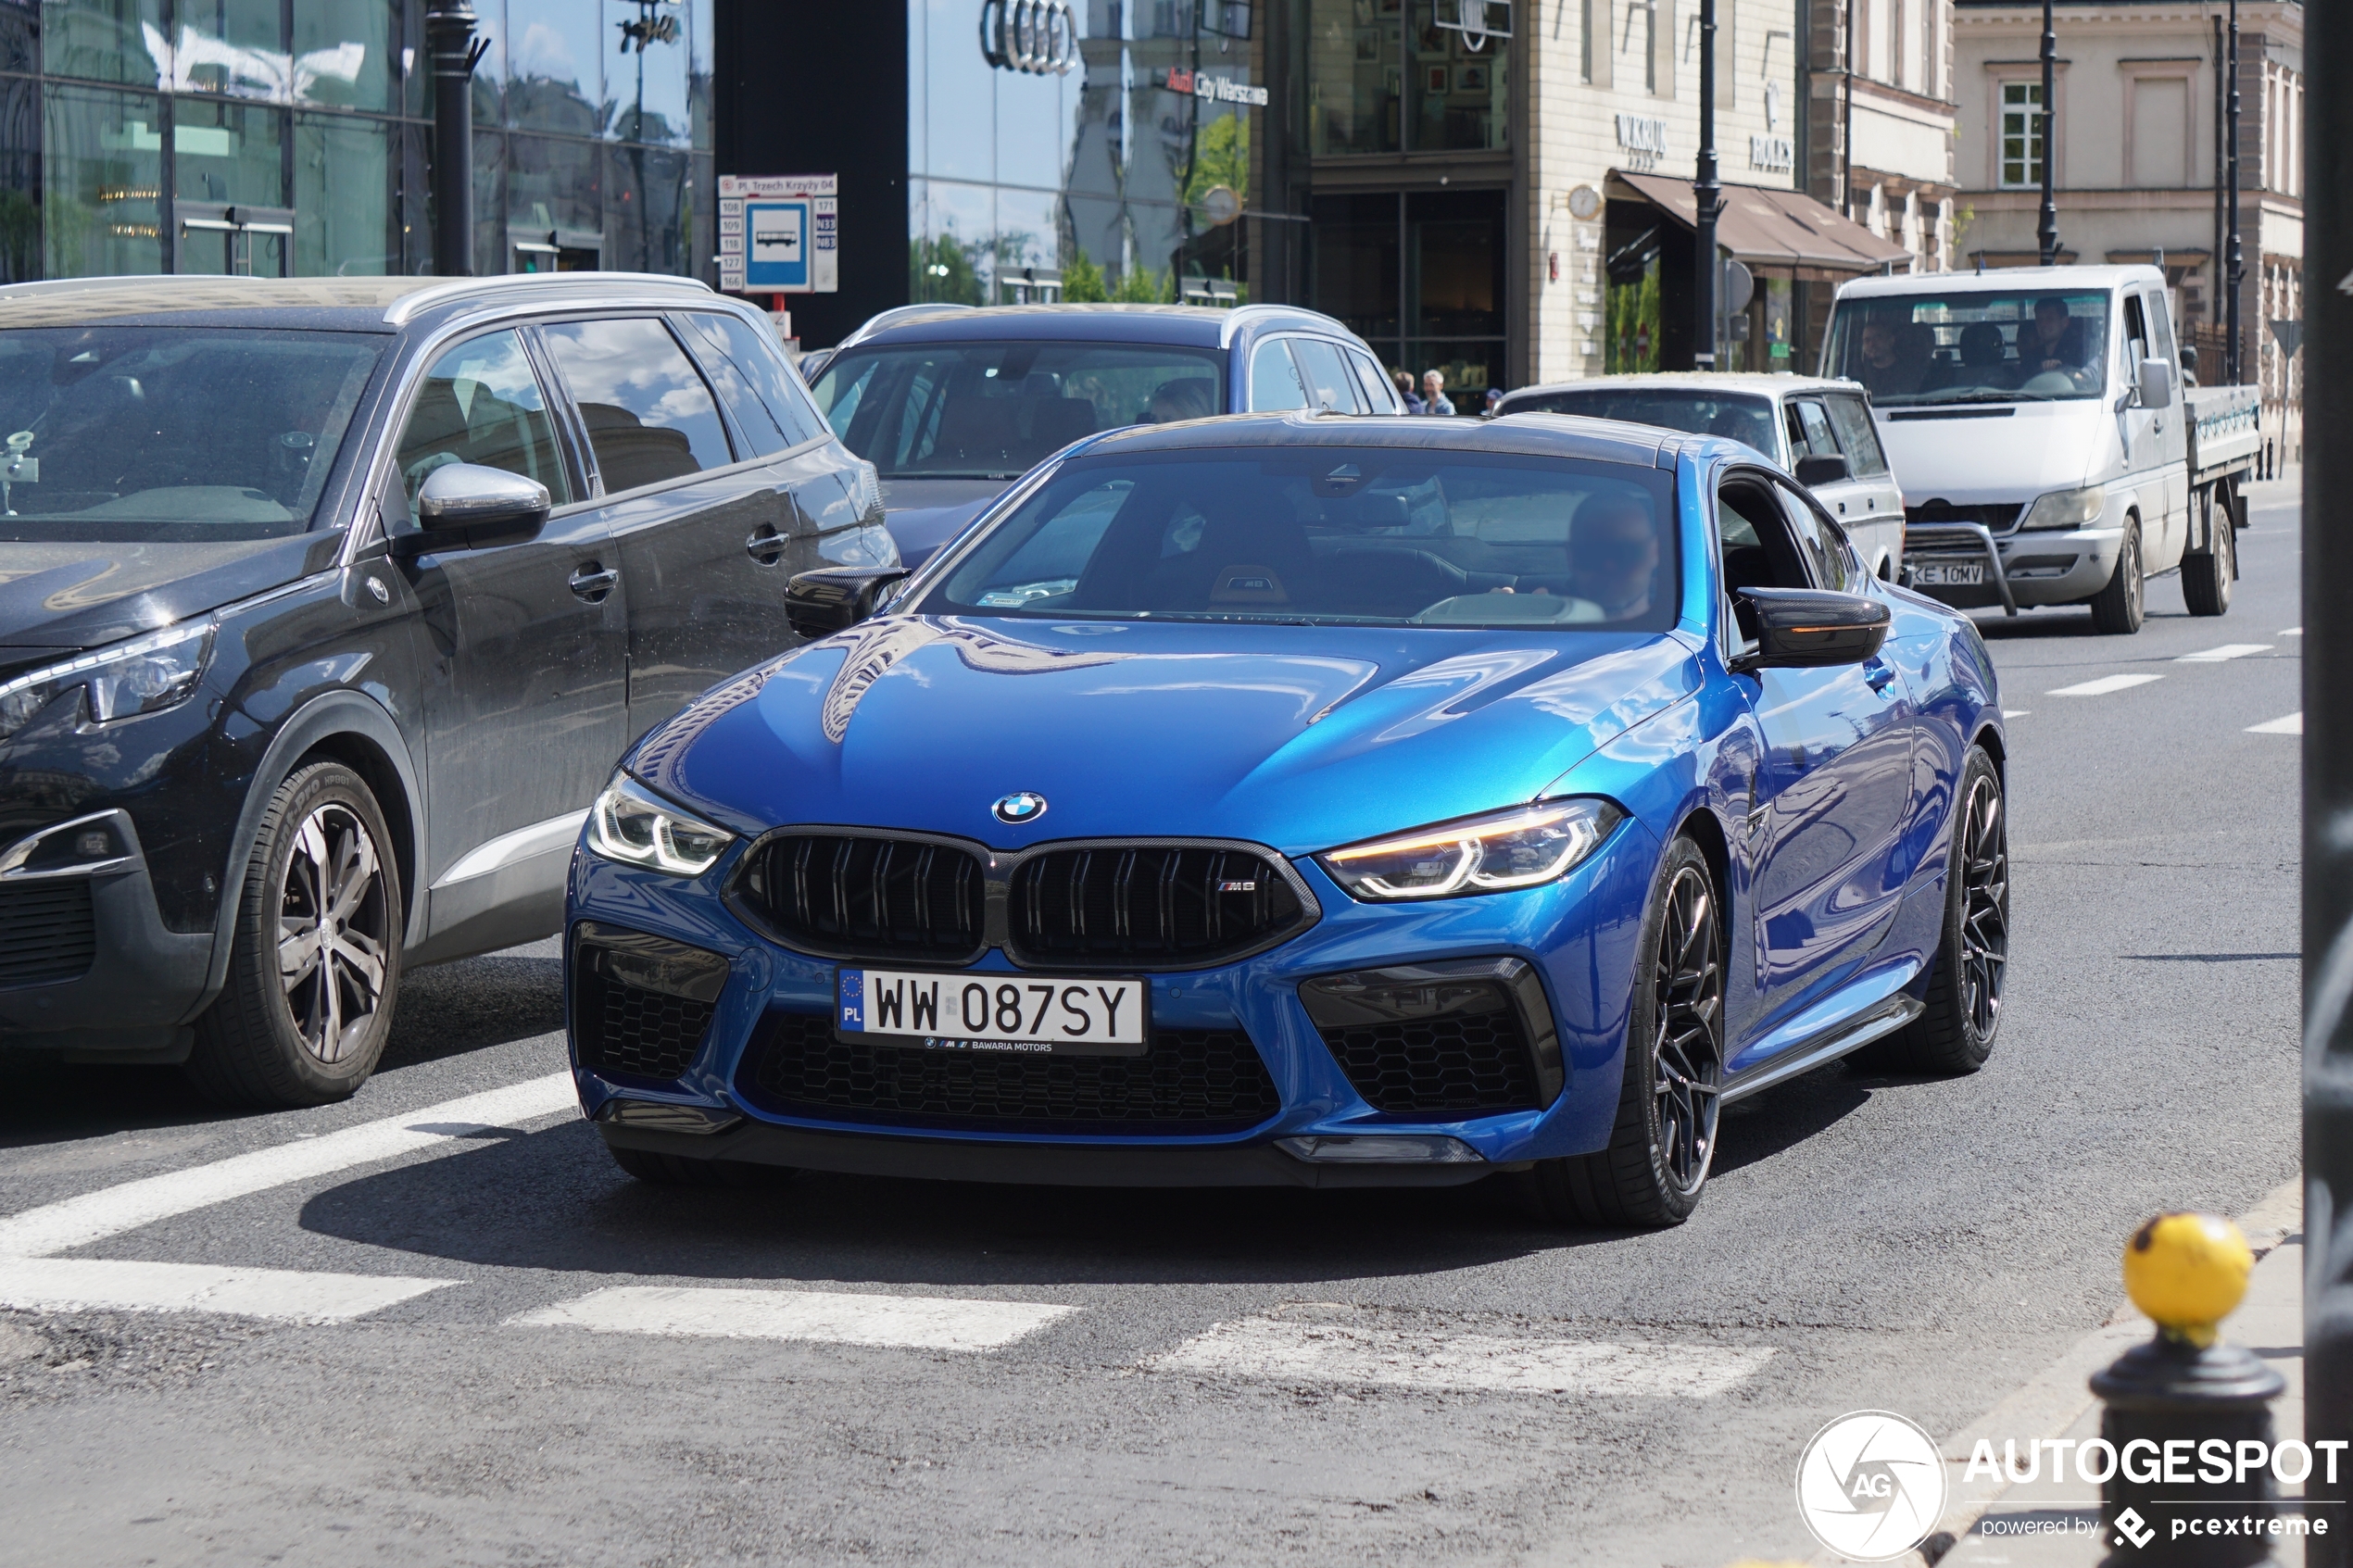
(994, 411)
(170, 434)
(1973, 348)
(1703, 413)
(1346, 535)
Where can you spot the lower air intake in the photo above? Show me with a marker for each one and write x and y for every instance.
(47, 932)
(641, 1005)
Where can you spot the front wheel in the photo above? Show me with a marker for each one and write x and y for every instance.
(308, 1004)
(2205, 579)
(2119, 608)
(1664, 1140)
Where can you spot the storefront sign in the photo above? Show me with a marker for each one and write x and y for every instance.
(1639, 134)
(779, 233)
(1217, 89)
(1036, 36)
(1771, 152)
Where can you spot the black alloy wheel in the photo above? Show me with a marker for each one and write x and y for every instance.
(1953, 1034)
(1664, 1140)
(2119, 608)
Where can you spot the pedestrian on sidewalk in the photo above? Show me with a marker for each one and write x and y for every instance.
(1434, 393)
(1414, 403)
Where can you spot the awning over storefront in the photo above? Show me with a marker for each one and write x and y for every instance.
(1787, 232)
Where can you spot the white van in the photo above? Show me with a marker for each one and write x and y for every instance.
(2046, 454)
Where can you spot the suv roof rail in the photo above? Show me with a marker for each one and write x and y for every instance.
(892, 317)
(409, 306)
(1241, 315)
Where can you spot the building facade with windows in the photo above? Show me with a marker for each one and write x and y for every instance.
(2136, 155)
(291, 138)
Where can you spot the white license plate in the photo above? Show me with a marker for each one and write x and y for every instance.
(1950, 574)
(1035, 1014)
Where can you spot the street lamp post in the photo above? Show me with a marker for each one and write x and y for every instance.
(450, 36)
(1706, 268)
(2046, 227)
(2234, 264)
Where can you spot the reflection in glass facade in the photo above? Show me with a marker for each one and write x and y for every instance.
(298, 137)
(1106, 181)
(1388, 76)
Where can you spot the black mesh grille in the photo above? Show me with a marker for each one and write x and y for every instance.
(47, 932)
(628, 1029)
(1996, 518)
(1459, 1061)
(1192, 1081)
(1127, 904)
(877, 898)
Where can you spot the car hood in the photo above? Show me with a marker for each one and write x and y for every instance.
(83, 596)
(2042, 447)
(1297, 738)
(923, 514)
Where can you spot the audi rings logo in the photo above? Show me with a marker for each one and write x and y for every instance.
(1871, 1486)
(1036, 36)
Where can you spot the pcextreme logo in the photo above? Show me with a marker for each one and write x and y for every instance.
(1871, 1486)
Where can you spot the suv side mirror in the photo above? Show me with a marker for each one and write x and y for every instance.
(466, 506)
(1826, 468)
(1806, 628)
(2157, 384)
(833, 599)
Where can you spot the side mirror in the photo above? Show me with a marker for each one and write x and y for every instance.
(465, 506)
(832, 599)
(1806, 628)
(2157, 384)
(1823, 469)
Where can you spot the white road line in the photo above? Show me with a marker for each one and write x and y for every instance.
(2291, 725)
(2104, 685)
(1279, 1350)
(2228, 650)
(77, 1222)
(65, 1284)
(924, 1323)
(2290, 631)
(2016, 712)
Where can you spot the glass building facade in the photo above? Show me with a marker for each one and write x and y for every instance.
(291, 137)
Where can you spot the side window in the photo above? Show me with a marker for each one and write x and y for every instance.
(1759, 551)
(1274, 379)
(2162, 323)
(1819, 440)
(481, 404)
(1380, 394)
(1329, 385)
(1823, 545)
(755, 356)
(648, 414)
(1856, 437)
(2136, 333)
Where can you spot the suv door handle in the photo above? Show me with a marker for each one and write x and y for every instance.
(1879, 678)
(765, 545)
(593, 582)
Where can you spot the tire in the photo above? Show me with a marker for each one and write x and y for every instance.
(2118, 608)
(322, 869)
(1664, 1138)
(1954, 1035)
(678, 1170)
(2206, 579)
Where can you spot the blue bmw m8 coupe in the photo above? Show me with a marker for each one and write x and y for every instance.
(1306, 800)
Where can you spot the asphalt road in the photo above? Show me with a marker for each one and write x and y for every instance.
(1920, 1246)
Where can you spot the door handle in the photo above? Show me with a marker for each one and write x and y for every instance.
(593, 582)
(1880, 679)
(765, 545)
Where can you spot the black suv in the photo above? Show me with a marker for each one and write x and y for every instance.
(326, 607)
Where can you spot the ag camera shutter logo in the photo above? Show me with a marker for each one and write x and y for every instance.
(1871, 1486)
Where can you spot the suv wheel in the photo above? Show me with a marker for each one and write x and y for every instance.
(311, 980)
(2120, 607)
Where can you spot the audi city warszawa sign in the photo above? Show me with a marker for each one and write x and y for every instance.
(1036, 36)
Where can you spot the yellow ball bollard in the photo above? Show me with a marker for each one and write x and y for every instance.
(2188, 1272)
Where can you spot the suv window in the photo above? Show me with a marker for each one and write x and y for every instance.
(648, 414)
(1809, 431)
(1380, 395)
(481, 404)
(734, 343)
(1855, 435)
(1326, 376)
(1275, 383)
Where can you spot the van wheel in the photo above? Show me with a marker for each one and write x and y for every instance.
(2205, 579)
(312, 977)
(2119, 608)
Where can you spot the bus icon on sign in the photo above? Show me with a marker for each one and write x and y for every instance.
(777, 249)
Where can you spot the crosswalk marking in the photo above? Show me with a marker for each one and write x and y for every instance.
(899, 1321)
(2291, 725)
(64, 1285)
(2290, 631)
(77, 1222)
(1286, 1350)
(2228, 650)
(2104, 685)
(2016, 712)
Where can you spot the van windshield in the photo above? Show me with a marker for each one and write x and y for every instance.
(2037, 344)
(171, 434)
(993, 410)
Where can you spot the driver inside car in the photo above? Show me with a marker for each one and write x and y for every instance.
(1614, 544)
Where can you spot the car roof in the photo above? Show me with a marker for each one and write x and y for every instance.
(2002, 280)
(1543, 435)
(374, 305)
(1752, 382)
(1187, 325)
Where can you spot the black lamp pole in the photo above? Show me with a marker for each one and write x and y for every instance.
(1706, 268)
(2046, 227)
(450, 35)
(2234, 263)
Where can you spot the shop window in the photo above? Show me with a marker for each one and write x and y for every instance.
(554, 69)
(347, 54)
(235, 48)
(1388, 76)
(20, 181)
(102, 171)
(104, 40)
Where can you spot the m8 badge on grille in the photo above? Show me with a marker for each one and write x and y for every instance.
(1030, 1013)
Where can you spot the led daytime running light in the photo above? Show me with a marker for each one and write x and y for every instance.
(632, 825)
(29, 692)
(1521, 849)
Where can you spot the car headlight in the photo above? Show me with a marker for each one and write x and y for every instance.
(2068, 508)
(632, 824)
(144, 675)
(1517, 849)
